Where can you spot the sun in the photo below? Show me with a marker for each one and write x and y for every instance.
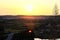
(28, 7)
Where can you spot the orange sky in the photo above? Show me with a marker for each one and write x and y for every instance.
(28, 7)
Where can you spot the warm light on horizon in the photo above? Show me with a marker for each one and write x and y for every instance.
(28, 7)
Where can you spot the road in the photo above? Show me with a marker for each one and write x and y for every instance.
(11, 35)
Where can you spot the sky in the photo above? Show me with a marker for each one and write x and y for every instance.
(28, 7)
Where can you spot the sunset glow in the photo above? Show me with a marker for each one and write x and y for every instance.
(28, 7)
(27, 17)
